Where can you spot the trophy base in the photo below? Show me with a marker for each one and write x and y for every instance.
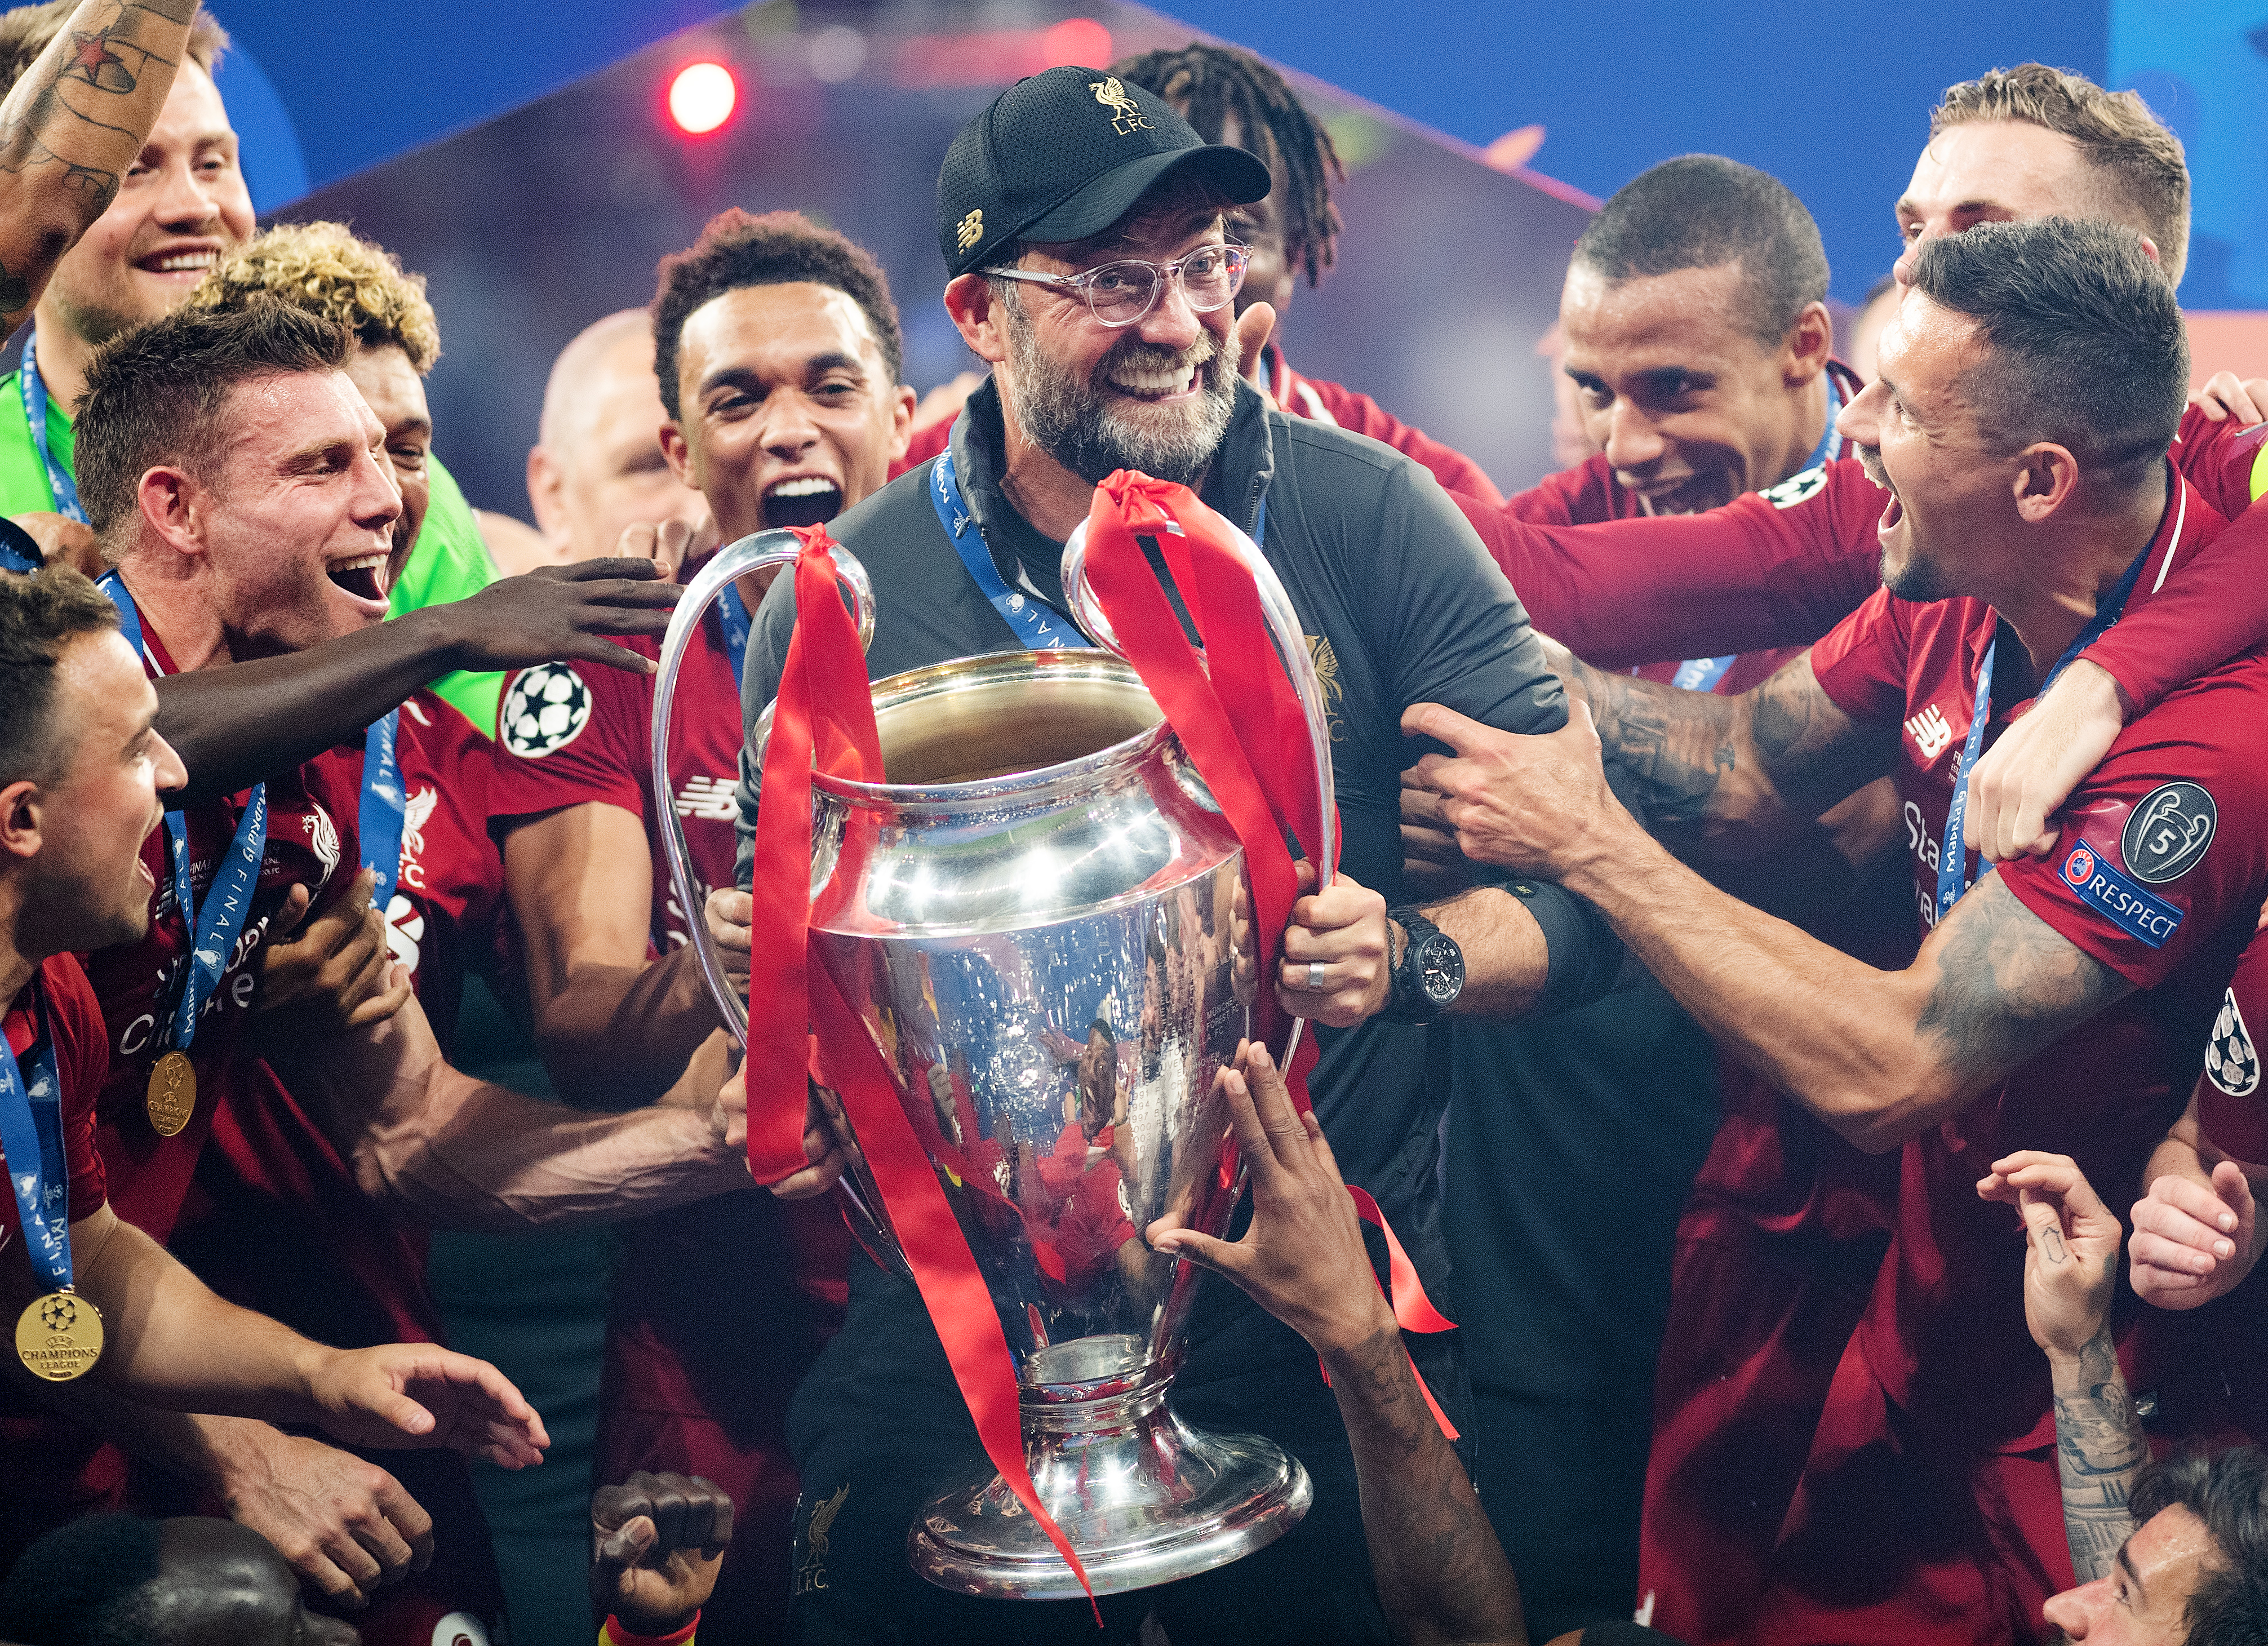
(1142, 1496)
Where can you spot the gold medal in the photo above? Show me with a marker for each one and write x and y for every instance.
(173, 1094)
(59, 1337)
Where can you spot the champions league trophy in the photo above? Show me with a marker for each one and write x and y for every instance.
(1049, 944)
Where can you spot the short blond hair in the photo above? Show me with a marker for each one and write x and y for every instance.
(2131, 153)
(323, 269)
(25, 30)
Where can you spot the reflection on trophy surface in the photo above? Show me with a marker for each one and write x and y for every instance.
(1041, 919)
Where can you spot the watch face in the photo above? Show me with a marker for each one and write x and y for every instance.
(1440, 968)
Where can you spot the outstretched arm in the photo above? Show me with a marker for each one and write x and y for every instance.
(71, 126)
(2071, 1262)
(1879, 1056)
(1441, 1574)
(171, 1342)
(460, 1153)
(235, 725)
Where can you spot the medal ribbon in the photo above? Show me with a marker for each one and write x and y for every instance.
(214, 927)
(1952, 857)
(1259, 765)
(824, 715)
(384, 804)
(60, 482)
(1031, 621)
(32, 1132)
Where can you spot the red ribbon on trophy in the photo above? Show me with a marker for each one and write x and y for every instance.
(825, 714)
(1258, 762)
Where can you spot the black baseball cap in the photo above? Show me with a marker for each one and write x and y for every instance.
(1062, 155)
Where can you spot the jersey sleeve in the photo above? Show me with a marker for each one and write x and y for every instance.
(1770, 568)
(2232, 1109)
(83, 1064)
(1568, 497)
(2167, 842)
(1452, 467)
(567, 734)
(1861, 663)
(2213, 606)
(2227, 460)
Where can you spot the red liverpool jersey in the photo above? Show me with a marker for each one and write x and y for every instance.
(447, 916)
(1942, 1375)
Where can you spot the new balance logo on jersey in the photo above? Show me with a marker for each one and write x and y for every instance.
(2230, 1061)
(707, 798)
(1930, 732)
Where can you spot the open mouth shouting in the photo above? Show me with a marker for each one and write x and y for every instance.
(804, 500)
(363, 577)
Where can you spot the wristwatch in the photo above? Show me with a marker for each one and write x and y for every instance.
(1430, 974)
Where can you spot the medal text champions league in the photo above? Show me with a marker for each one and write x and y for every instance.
(173, 1094)
(59, 1337)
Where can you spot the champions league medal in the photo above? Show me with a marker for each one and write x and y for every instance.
(172, 1095)
(59, 1337)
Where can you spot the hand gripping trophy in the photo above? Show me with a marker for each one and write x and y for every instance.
(1044, 889)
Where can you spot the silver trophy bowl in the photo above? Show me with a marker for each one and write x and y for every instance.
(1041, 922)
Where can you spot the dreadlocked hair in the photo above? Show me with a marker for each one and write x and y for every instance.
(1210, 84)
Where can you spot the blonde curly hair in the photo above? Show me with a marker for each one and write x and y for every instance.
(323, 269)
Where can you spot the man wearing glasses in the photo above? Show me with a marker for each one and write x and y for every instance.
(1081, 221)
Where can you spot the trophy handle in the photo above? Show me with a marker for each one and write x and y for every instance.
(1290, 646)
(751, 553)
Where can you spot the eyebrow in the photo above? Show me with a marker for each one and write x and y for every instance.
(2132, 1575)
(748, 377)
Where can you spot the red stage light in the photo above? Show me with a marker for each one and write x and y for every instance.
(1076, 41)
(701, 98)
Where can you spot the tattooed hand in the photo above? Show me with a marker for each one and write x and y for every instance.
(2071, 1261)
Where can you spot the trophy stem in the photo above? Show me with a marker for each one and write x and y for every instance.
(1142, 1496)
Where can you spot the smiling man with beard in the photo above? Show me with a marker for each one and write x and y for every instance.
(1081, 221)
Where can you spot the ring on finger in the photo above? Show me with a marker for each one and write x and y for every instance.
(1315, 977)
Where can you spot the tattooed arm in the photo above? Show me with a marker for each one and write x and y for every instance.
(2071, 1261)
(1441, 1574)
(1729, 778)
(1879, 1056)
(72, 125)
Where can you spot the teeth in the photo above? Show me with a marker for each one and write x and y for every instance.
(809, 486)
(361, 563)
(181, 262)
(1149, 382)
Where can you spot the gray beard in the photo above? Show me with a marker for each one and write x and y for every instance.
(1070, 420)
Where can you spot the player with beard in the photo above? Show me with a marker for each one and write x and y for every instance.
(1698, 334)
(1081, 220)
(2031, 384)
(173, 208)
(217, 567)
(776, 351)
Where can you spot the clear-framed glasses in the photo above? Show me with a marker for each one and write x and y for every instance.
(1121, 293)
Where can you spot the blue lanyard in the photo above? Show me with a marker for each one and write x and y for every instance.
(732, 617)
(384, 805)
(32, 1132)
(35, 413)
(1040, 629)
(1702, 673)
(1953, 859)
(1035, 625)
(228, 900)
